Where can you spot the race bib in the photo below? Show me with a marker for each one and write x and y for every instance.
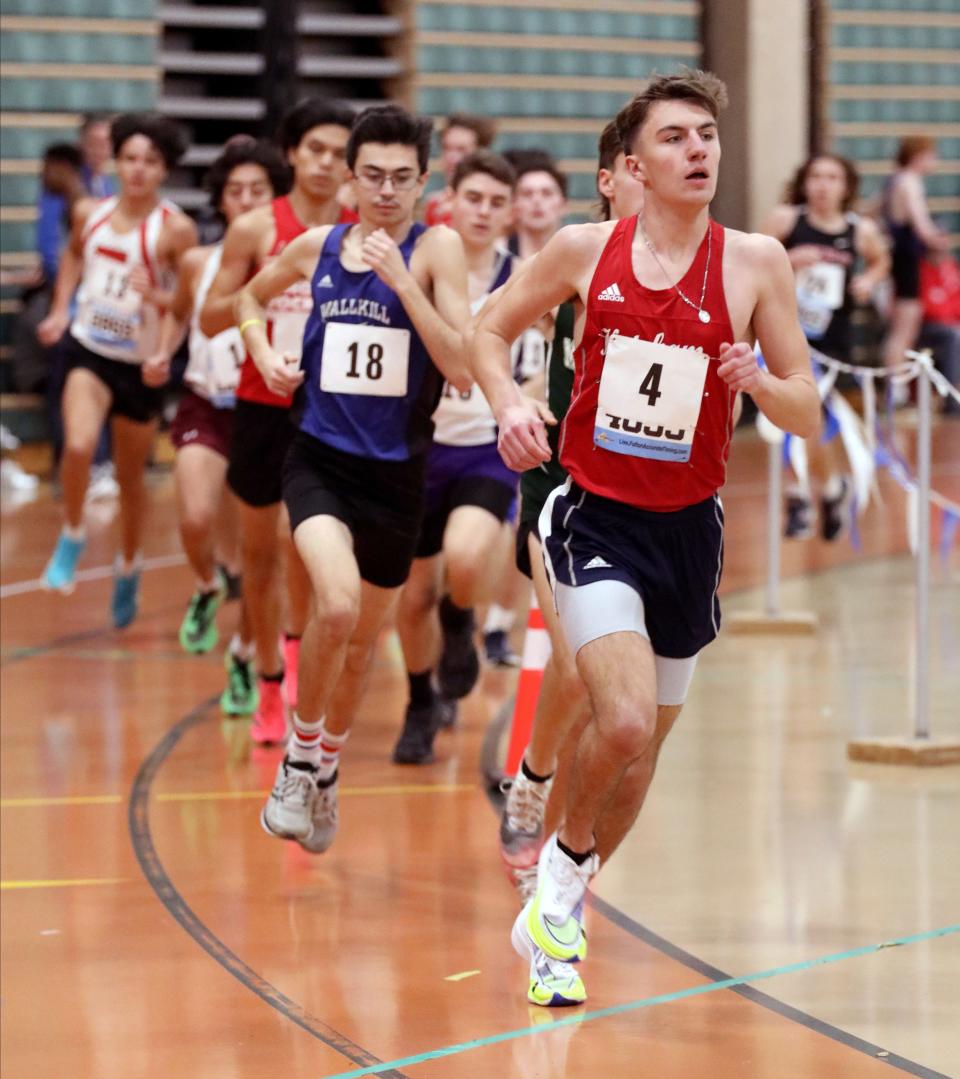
(819, 293)
(226, 357)
(369, 360)
(650, 398)
(114, 309)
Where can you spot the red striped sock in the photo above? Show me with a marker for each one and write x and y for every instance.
(305, 743)
(330, 746)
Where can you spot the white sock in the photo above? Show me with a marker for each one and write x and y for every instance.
(330, 746)
(78, 534)
(127, 568)
(499, 619)
(305, 745)
(213, 585)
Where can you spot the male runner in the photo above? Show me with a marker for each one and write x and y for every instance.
(469, 490)
(380, 340)
(633, 540)
(562, 697)
(313, 137)
(246, 175)
(123, 252)
(824, 240)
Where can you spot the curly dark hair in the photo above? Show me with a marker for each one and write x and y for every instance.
(167, 136)
(246, 150)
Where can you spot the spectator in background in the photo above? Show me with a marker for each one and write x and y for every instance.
(912, 232)
(540, 203)
(940, 297)
(55, 204)
(462, 134)
(61, 184)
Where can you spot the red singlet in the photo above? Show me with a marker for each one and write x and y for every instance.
(287, 313)
(657, 435)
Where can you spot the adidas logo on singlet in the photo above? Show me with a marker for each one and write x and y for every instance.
(325, 282)
(613, 293)
(597, 562)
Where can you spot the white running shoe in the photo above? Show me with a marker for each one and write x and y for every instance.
(551, 916)
(288, 813)
(553, 983)
(324, 819)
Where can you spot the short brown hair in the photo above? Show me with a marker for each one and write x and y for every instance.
(700, 87)
(483, 161)
(608, 147)
(483, 127)
(796, 194)
(913, 146)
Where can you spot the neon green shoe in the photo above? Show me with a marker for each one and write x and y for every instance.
(241, 697)
(553, 918)
(198, 632)
(553, 983)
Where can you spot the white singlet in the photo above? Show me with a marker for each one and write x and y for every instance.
(213, 370)
(112, 319)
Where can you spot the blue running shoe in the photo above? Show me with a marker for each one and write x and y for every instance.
(61, 570)
(123, 606)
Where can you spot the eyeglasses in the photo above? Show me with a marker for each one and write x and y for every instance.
(374, 179)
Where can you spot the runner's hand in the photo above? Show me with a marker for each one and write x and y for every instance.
(52, 328)
(522, 440)
(281, 373)
(739, 367)
(139, 281)
(381, 254)
(156, 370)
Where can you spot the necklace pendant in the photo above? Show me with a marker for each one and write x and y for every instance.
(704, 316)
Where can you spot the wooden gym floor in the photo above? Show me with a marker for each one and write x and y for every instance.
(150, 928)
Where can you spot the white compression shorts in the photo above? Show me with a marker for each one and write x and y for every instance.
(591, 611)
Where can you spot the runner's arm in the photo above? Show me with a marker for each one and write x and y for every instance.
(872, 248)
(560, 266)
(236, 265)
(785, 392)
(53, 327)
(173, 325)
(282, 374)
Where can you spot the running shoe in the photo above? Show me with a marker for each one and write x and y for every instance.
(448, 714)
(288, 812)
(553, 983)
(420, 726)
(459, 666)
(496, 645)
(269, 725)
(553, 916)
(799, 518)
(198, 631)
(521, 823)
(123, 604)
(324, 817)
(241, 697)
(61, 570)
(834, 512)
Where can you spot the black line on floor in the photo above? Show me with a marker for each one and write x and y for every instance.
(492, 777)
(140, 834)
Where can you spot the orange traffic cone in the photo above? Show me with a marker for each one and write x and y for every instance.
(536, 652)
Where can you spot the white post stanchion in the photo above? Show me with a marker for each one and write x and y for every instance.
(920, 748)
(921, 719)
(771, 619)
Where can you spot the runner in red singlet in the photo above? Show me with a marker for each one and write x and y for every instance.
(313, 137)
(633, 542)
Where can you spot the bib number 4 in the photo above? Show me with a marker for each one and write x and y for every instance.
(650, 398)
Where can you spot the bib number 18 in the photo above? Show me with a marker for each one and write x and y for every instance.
(374, 361)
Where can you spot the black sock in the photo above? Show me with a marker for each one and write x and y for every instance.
(292, 636)
(278, 677)
(533, 775)
(453, 617)
(421, 689)
(573, 855)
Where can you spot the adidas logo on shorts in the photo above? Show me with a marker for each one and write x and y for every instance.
(325, 282)
(613, 293)
(598, 562)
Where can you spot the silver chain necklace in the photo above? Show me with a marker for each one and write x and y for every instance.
(703, 315)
